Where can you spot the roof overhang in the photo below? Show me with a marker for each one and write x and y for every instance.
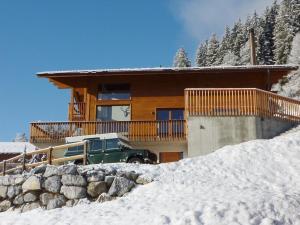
(54, 76)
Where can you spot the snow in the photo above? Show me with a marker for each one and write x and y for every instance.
(15, 147)
(256, 182)
(164, 69)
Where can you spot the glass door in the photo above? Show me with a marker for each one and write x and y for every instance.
(170, 121)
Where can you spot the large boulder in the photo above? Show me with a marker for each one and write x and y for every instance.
(120, 186)
(13, 191)
(53, 184)
(39, 169)
(19, 200)
(46, 197)
(30, 206)
(5, 205)
(95, 176)
(73, 180)
(56, 202)
(67, 169)
(51, 171)
(109, 180)
(30, 197)
(144, 179)
(94, 189)
(3, 191)
(33, 183)
(131, 175)
(73, 192)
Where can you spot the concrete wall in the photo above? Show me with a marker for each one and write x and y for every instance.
(207, 134)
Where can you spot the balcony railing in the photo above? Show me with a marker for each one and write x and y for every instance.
(240, 102)
(135, 130)
(77, 111)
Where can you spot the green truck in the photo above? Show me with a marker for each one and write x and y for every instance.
(109, 148)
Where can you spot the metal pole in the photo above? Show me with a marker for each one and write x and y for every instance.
(85, 153)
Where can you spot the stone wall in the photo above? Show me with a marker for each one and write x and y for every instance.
(51, 187)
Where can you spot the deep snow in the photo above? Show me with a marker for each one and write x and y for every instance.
(257, 182)
(16, 147)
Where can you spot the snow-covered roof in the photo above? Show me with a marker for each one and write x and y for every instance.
(15, 147)
(170, 69)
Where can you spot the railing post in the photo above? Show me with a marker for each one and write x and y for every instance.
(49, 155)
(85, 146)
(23, 162)
(4, 167)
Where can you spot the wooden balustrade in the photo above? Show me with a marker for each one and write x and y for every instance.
(77, 111)
(135, 130)
(240, 102)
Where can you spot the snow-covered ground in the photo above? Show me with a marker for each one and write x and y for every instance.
(257, 182)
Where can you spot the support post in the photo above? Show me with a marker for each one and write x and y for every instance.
(49, 155)
(24, 158)
(85, 146)
(4, 167)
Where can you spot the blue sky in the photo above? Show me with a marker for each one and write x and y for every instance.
(74, 34)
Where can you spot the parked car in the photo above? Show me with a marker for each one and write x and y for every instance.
(109, 148)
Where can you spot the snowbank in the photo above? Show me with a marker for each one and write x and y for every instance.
(15, 147)
(257, 183)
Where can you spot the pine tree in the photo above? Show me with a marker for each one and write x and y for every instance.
(201, 54)
(20, 137)
(225, 45)
(212, 51)
(294, 57)
(283, 33)
(245, 55)
(237, 38)
(230, 59)
(181, 59)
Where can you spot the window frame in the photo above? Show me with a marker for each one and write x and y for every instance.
(101, 90)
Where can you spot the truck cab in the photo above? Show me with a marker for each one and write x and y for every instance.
(110, 148)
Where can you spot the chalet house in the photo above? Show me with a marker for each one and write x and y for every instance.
(175, 112)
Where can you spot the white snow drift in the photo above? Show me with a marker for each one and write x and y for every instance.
(257, 182)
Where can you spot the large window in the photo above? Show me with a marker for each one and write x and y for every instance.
(114, 92)
(113, 113)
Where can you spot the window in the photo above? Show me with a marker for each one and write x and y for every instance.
(112, 144)
(114, 92)
(95, 145)
(113, 113)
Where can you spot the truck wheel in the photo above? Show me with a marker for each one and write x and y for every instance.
(135, 161)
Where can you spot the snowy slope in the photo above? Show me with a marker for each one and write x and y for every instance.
(15, 147)
(257, 183)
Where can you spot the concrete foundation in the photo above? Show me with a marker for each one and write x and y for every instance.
(207, 134)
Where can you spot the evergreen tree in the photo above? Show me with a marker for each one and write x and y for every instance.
(283, 33)
(294, 57)
(245, 55)
(181, 59)
(230, 59)
(225, 45)
(212, 51)
(201, 54)
(20, 137)
(237, 38)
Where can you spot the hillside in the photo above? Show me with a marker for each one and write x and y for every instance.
(257, 182)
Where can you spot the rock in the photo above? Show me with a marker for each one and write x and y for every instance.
(73, 192)
(51, 171)
(3, 191)
(109, 180)
(57, 202)
(13, 191)
(6, 180)
(67, 169)
(53, 184)
(30, 197)
(144, 179)
(31, 184)
(5, 205)
(73, 180)
(30, 206)
(71, 202)
(94, 189)
(39, 170)
(19, 180)
(104, 197)
(120, 186)
(46, 197)
(131, 175)
(95, 176)
(19, 200)
(83, 201)
(110, 172)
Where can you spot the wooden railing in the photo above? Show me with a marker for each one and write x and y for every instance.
(240, 102)
(33, 159)
(135, 130)
(77, 111)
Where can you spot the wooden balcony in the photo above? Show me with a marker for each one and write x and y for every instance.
(135, 130)
(240, 102)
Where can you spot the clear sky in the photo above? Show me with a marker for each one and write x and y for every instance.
(40, 35)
